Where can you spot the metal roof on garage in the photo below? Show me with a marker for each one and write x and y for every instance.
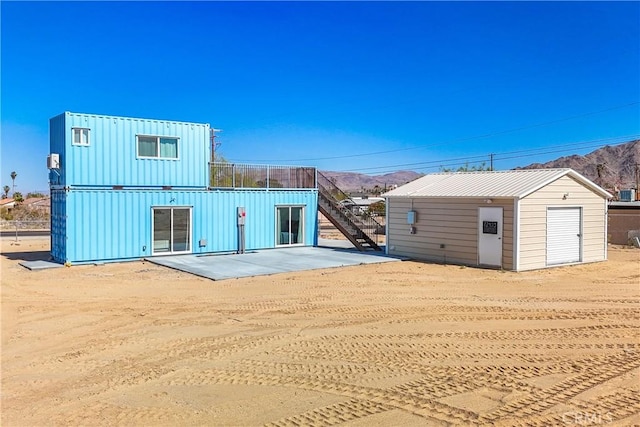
(514, 184)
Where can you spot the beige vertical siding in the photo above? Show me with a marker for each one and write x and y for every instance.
(450, 222)
(533, 221)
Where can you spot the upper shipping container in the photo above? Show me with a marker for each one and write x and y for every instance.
(107, 151)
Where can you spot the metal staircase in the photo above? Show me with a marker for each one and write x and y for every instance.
(359, 230)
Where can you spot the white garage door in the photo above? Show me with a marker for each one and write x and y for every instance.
(563, 235)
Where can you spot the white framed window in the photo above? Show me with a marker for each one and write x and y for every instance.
(157, 147)
(80, 136)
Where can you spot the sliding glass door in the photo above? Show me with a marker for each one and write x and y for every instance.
(289, 225)
(171, 230)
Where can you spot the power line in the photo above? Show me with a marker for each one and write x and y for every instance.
(616, 139)
(501, 158)
(482, 157)
(471, 138)
(533, 151)
(478, 159)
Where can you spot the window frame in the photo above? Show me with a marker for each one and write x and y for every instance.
(171, 242)
(159, 155)
(301, 226)
(82, 143)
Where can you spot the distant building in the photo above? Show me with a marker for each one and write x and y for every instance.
(627, 195)
(624, 222)
(8, 203)
(40, 204)
(360, 205)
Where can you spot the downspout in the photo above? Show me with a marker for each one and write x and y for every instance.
(606, 229)
(516, 234)
(386, 225)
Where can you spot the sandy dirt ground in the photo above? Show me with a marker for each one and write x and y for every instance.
(403, 343)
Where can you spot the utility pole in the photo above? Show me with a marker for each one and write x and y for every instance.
(637, 181)
(491, 161)
(214, 144)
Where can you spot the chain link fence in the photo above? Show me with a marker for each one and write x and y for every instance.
(22, 227)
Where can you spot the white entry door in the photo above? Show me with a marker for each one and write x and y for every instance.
(490, 236)
(564, 237)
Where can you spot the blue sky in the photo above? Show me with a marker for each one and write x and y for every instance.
(371, 87)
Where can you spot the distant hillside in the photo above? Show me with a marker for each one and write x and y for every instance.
(609, 167)
(616, 170)
(355, 182)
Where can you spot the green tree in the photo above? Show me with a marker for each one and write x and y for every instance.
(13, 179)
(378, 208)
(6, 214)
(6, 190)
(17, 197)
(273, 183)
(35, 195)
(218, 172)
(466, 168)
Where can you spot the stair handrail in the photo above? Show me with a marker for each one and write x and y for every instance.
(334, 195)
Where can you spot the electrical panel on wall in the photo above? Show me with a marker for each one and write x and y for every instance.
(412, 217)
(242, 216)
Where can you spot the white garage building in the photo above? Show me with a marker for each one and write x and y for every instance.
(514, 220)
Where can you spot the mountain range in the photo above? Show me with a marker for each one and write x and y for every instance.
(351, 182)
(612, 167)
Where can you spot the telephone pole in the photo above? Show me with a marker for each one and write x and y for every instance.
(637, 181)
(491, 161)
(214, 144)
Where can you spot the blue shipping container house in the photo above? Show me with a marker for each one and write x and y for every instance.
(126, 188)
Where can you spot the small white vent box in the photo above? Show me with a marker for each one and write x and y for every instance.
(53, 161)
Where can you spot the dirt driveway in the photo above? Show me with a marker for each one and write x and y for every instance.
(402, 343)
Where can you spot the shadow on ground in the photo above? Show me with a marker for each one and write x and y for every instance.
(28, 256)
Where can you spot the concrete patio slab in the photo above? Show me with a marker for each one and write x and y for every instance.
(269, 261)
(40, 265)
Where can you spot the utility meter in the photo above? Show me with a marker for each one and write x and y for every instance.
(242, 215)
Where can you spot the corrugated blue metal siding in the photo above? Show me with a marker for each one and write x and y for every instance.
(218, 217)
(109, 225)
(57, 145)
(111, 157)
(58, 225)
